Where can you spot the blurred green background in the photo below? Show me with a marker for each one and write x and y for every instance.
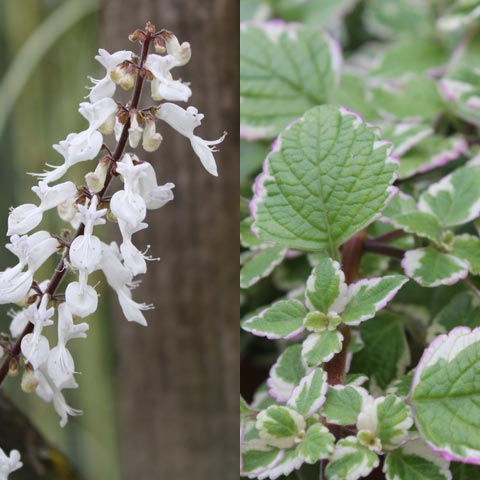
(48, 49)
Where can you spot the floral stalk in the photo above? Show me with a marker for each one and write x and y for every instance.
(48, 371)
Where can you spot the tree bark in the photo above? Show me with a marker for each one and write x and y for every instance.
(178, 378)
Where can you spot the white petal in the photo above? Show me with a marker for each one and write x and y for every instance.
(50, 197)
(104, 88)
(86, 253)
(23, 219)
(129, 207)
(205, 154)
(133, 259)
(82, 301)
(14, 285)
(131, 309)
(60, 365)
(35, 349)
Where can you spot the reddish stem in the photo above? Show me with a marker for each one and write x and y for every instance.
(382, 249)
(61, 267)
(335, 368)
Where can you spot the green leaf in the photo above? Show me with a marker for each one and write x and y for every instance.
(467, 247)
(401, 386)
(325, 286)
(400, 205)
(252, 155)
(285, 69)
(392, 18)
(446, 395)
(251, 9)
(321, 347)
(411, 55)
(416, 461)
(386, 353)
(352, 92)
(283, 319)
(464, 471)
(257, 456)
(326, 12)
(290, 461)
(245, 409)
(370, 295)
(261, 265)
(405, 135)
(394, 421)
(343, 404)
(309, 395)
(455, 199)
(460, 16)
(411, 95)
(317, 445)
(431, 153)
(327, 178)
(350, 460)
(247, 238)
(462, 310)
(431, 268)
(286, 373)
(280, 426)
(402, 213)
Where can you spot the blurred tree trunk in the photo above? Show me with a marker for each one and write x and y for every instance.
(178, 378)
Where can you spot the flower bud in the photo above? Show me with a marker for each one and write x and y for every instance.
(159, 46)
(108, 126)
(29, 381)
(134, 132)
(151, 138)
(96, 180)
(13, 368)
(111, 217)
(122, 77)
(66, 210)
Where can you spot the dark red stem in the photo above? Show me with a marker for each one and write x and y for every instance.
(382, 249)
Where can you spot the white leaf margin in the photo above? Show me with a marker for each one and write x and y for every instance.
(447, 347)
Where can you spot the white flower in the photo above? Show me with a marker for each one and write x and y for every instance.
(129, 206)
(35, 347)
(60, 361)
(185, 122)
(105, 87)
(151, 138)
(85, 250)
(49, 392)
(19, 321)
(9, 464)
(163, 85)
(79, 147)
(120, 279)
(14, 284)
(154, 195)
(182, 53)
(25, 218)
(32, 251)
(82, 299)
(134, 260)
